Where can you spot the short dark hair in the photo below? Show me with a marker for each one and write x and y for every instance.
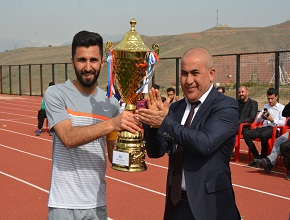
(222, 88)
(272, 91)
(155, 86)
(87, 39)
(51, 84)
(170, 89)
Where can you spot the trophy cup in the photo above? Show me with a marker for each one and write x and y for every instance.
(130, 67)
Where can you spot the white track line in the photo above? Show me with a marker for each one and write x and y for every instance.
(25, 182)
(155, 165)
(30, 184)
(27, 135)
(140, 187)
(24, 152)
(18, 109)
(27, 116)
(263, 192)
(16, 120)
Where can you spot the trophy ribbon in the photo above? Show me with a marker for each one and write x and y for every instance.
(152, 58)
(111, 80)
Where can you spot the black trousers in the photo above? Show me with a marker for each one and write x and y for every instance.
(285, 152)
(41, 116)
(180, 211)
(264, 133)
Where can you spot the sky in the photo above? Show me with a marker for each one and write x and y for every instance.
(55, 22)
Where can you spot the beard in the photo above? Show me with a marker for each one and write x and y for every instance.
(242, 98)
(87, 82)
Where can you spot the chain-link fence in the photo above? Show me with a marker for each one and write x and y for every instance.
(257, 71)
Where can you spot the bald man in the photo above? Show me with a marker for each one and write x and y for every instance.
(204, 142)
(248, 108)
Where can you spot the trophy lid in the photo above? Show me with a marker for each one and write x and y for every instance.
(132, 41)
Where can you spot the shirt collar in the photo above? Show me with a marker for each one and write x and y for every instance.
(204, 96)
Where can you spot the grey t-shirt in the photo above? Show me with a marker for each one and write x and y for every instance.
(78, 174)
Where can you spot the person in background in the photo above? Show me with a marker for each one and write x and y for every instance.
(85, 122)
(248, 108)
(198, 133)
(42, 115)
(221, 89)
(270, 116)
(155, 86)
(285, 152)
(269, 162)
(171, 95)
(142, 102)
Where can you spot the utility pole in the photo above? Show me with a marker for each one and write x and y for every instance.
(217, 18)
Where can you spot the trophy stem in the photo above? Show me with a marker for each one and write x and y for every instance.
(129, 151)
(130, 107)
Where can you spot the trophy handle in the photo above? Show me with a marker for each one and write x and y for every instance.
(155, 48)
(108, 46)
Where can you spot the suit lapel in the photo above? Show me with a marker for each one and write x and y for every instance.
(180, 111)
(205, 106)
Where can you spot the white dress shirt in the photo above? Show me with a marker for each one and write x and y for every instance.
(186, 112)
(276, 113)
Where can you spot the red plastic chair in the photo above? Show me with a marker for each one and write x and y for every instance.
(271, 141)
(239, 136)
(284, 130)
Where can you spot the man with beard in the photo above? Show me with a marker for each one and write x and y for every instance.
(84, 121)
(248, 108)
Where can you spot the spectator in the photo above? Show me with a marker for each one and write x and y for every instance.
(142, 102)
(285, 152)
(171, 95)
(270, 116)
(199, 179)
(269, 162)
(248, 108)
(155, 86)
(42, 115)
(85, 122)
(221, 89)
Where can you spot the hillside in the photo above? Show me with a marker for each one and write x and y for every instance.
(219, 40)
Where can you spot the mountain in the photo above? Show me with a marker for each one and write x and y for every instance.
(219, 40)
(13, 44)
(226, 40)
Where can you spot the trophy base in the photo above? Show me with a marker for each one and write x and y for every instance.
(129, 153)
(132, 168)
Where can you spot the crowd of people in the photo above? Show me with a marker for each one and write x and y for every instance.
(84, 123)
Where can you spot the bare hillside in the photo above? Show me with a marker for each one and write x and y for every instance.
(219, 40)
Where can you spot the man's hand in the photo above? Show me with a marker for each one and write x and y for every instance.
(156, 112)
(126, 121)
(269, 117)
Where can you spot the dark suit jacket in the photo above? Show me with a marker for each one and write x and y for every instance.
(249, 112)
(208, 145)
(286, 112)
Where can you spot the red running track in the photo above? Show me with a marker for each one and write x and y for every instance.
(25, 169)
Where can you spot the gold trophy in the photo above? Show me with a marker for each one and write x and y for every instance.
(131, 66)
